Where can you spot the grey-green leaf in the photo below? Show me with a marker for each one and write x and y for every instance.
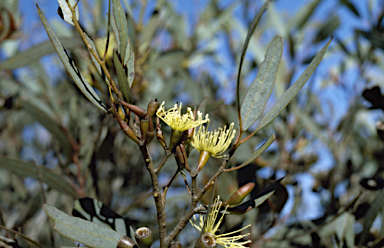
(259, 151)
(94, 60)
(328, 28)
(86, 232)
(27, 169)
(286, 98)
(131, 69)
(261, 88)
(67, 13)
(36, 52)
(263, 198)
(122, 78)
(122, 27)
(68, 63)
(251, 29)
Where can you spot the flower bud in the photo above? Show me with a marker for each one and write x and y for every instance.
(181, 157)
(139, 111)
(207, 240)
(175, 139)
(152, 108)
(127, 130)
(160, 135)
(151, 132)
(126, 242)
(237, 197)
(144, 238)
(204, 156)
(144, 124)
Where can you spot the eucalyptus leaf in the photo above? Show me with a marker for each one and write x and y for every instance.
(286, 98)
(86, 232)
(94, 60)
(36, 52)
(169, 58)
(122, 27)
(27, 169)
(66, 11)
(251, 29)
(328, 28)
(261, 88)
(302, 16)
(149, 32)
(122, 78)
(131, 69)
(68, 63)
(259, 151)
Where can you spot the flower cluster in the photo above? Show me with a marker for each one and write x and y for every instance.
(212, 142)
(222, 239)
(179, 122)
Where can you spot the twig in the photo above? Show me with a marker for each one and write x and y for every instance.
(110, 81)
(158, 168)
(161, 214)
(195, 199)
(165, 189)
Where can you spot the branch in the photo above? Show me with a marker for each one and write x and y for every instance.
(161, 214)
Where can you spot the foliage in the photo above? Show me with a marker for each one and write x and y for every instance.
(118, 55)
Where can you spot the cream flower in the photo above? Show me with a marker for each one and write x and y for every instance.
(214, 142)
(179, 122)
(210, 227)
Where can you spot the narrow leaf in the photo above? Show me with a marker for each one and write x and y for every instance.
(66, 11)
(86, 232)
(302, 16)
(259, 151)
(94, 60)
(68, 63)
(245, 46)
(122, 78)
(127, 55)
(149, 32)
(131, 69)
(122, 27)
(328, 28)
(36, 52)
(263, 198)
(261, 88)
(286, 98)
(27, 169)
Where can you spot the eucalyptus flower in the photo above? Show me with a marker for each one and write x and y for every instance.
(210, 228)
(179, 122)
(212, 143)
